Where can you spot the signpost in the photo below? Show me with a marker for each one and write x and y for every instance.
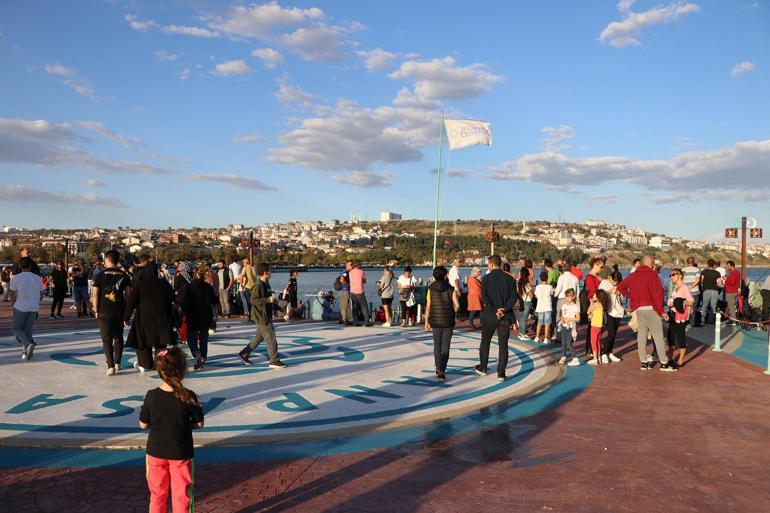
(750, 225)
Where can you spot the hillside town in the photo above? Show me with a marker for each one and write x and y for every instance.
(335, 237)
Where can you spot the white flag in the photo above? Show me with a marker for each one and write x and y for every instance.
(467, 132)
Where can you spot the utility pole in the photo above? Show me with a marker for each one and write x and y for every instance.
(743, 252)
(251, 247)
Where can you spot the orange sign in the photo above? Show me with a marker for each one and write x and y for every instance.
(731, 233)
(755, 233)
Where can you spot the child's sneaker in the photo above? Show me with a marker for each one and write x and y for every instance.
(110, 371)
(574, 362)
(562, 360)
(593, 361)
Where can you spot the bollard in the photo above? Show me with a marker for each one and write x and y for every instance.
(718, 333)
(768, 353)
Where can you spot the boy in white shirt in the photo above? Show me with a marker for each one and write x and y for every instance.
(544, 309)
(569, 315)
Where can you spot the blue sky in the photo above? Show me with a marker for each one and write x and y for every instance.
(208, 113)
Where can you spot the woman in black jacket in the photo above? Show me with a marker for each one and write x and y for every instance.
(440, 311)
(152, 298)
(59, 278)
(198, 303)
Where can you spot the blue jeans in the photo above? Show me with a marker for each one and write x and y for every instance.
(80, 295)
(198, 340)
(523, 316)
(567, 349)
(22, 327)
(544, 318)
(710, 298)
(245, 293)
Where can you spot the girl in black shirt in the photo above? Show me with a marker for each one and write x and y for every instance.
(171, 412)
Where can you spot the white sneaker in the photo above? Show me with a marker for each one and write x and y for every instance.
(386, 325)
(138, 367)
(574, 362)
(593, 361)
(110, 371)
(649, 358)
(524, 338)
(605, 359)
(614, 358)
(410, 323)
(117, 368)
(562, 360)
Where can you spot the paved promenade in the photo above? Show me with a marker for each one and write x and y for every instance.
(632, 441)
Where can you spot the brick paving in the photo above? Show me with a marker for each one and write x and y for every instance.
(693, 441)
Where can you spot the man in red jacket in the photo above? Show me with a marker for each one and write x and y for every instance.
(644, 289)
(732, 288)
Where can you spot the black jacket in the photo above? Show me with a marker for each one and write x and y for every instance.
(152, 298)
(498, 290)
(198, 300)
(442, 310)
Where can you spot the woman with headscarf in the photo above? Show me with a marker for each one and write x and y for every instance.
(152, 297)
(198, 303)
(182, 280)
(474, 296)
(385, 290)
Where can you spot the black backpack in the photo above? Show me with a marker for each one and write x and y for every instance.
(338, 283)
(583, 298)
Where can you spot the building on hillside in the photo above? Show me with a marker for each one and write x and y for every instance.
(660, 242)
(595, 222)
(386, 217)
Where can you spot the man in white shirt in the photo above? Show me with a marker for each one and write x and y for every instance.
(26, 293)
(692, 280)
(454, 277)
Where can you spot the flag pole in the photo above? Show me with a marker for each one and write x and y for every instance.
(438, 184)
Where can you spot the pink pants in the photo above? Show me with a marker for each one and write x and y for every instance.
(179, 475)
(596, 336)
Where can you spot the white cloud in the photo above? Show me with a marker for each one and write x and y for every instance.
(269, 57)
(189, 31)
(50, 145)
(241, 182)
(347, 137)
(20, 194)
(602, 198)
(738, 168)
(626, 32)
(685, 144)
(289, 94)
(442, 79)
(407, 98)
(163, 55)
(318, 43)
(261, 21)
(58, 69)
(365, 179)
(94, 183)
(250, 138)
(451, 173)
(184, 74)
(144, 25)
(742, 68)
(377, 59)
(229, 68)
(127, 142)
(556, 135)
(73, 79)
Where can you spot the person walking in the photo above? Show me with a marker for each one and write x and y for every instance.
(80, 289)
(526, 293)
(385, 288)
(406, 285)
(474, 297)
(198, 304)
(645, 291)
(170, 412)
(26, 292)
(614, 315)
(569, 316)
(225, 280)
(358, 297)
(679, 304)
(498, 295)
(262, 300)
(109, 299)
(59, 280)
(346, 309)
(153, 328)
(440, 314)
(290, 295)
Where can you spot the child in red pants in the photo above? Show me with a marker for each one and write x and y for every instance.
(171, 412)
(600, 304)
